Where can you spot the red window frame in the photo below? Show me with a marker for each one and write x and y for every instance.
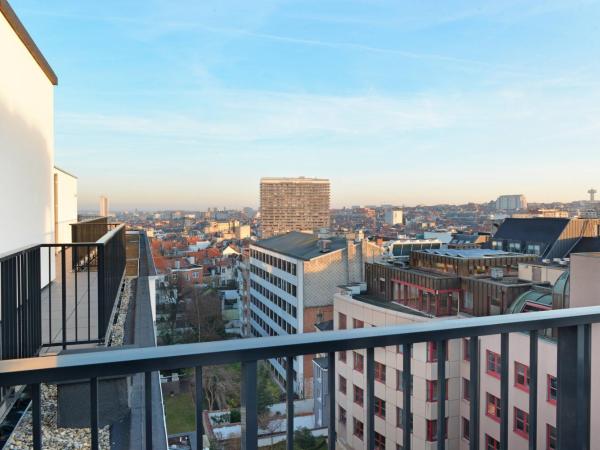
(343, 384)
(492, 407)
(342, 414)
(358, 362)
(521, 376)
(380, 408)
(466, 350)
(342, 356)
(342, 321)
(521, 423)
(358, 429)
(466, 384)
(491, 443)
(550, 390)
(432, 390)
(432, 430)
(492, 363)
(380, 372)
(432, 351)
(379, 441)
(357, 323)
(359, 395)
(465, 428)
(551, 442)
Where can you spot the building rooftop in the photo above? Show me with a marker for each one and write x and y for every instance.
(587, 245)
(536, 229)
(371, 300)
(471, 253)
(299, 245)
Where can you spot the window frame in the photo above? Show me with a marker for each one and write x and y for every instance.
(495, 372)
(524, 419)
(356, 398)
(550, 389)
(497, 407)
(358, 362)
(522, 386)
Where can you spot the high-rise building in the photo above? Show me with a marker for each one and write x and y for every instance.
(511, 202)
(103, 206)
(393, 216)
(293, 204)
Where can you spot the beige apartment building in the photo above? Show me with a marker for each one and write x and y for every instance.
(293, 204)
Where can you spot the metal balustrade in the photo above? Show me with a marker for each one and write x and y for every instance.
(574, 347)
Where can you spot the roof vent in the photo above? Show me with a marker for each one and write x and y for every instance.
(324, 245)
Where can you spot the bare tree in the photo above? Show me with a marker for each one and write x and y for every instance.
(203, 312)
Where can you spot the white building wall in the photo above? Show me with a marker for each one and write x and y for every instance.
(26, 147)
(65, 204)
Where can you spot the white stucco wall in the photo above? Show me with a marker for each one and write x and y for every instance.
(26, 146)
(65, 200)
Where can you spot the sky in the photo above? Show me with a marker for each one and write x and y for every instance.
(186, 104)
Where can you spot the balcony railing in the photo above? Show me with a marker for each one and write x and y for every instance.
(574, 350)
(45, 302)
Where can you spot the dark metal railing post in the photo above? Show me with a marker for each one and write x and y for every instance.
(36, 414)
(94, 412)
(504, 391)
(249, 407)
(474, 393)
(199, 409)
(148, 409)
(289, 399)
(533, 387)
(406, 394)
(63, 268)
(331, 434)
(101, 292)
(441, 395)
(370, 388)
(573, 402)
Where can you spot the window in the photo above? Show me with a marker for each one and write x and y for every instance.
(432, 394)
(358, 361)
(342, 414)
(343, 384)
(465, 428)
(521, 423)
(358, 428)
(552, 389)
(358, 396)
(432, 430)
(357, 323)
(380, 372)
(491, 443)
(466, 350)
(341, 321)
(379, 441)
(551, 443)
(342, 356)
(399, 377)
(466, 384)
(522, 376)
(400, 419)
(380, 407)
(492, 409)
(492, 363)
(432, 351)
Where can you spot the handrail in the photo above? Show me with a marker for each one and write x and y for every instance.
(110, 234)
(130, 361)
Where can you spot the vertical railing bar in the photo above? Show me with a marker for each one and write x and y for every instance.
(36, 414)
(64, 296)
(289, 399)
(94, 412)
(474, 393)
(441, 394)
(49, 295)
(504, 391)
(370, 388)
(583, 385)
(406, 395)
(249, 407)
(101, 291)
(199, 409)
(148, 408)
(89, 289)
(533, 388)
(76, 274)
(331, 434)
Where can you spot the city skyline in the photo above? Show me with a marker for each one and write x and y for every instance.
(442, 103)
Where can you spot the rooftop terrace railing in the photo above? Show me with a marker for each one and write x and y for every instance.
(574, 350)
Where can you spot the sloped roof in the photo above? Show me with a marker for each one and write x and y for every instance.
(536, 229)
(299, 245)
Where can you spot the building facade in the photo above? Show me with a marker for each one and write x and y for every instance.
(293, 204)
(511, 202)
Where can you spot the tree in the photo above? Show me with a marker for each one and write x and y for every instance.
(220, 385)
(203, 312)
(304, 440)
(267, 390)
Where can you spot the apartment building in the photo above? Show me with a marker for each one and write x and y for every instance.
(291, 284)
(511, 202)
(293, 204)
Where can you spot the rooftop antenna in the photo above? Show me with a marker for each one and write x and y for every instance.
(592, 193)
